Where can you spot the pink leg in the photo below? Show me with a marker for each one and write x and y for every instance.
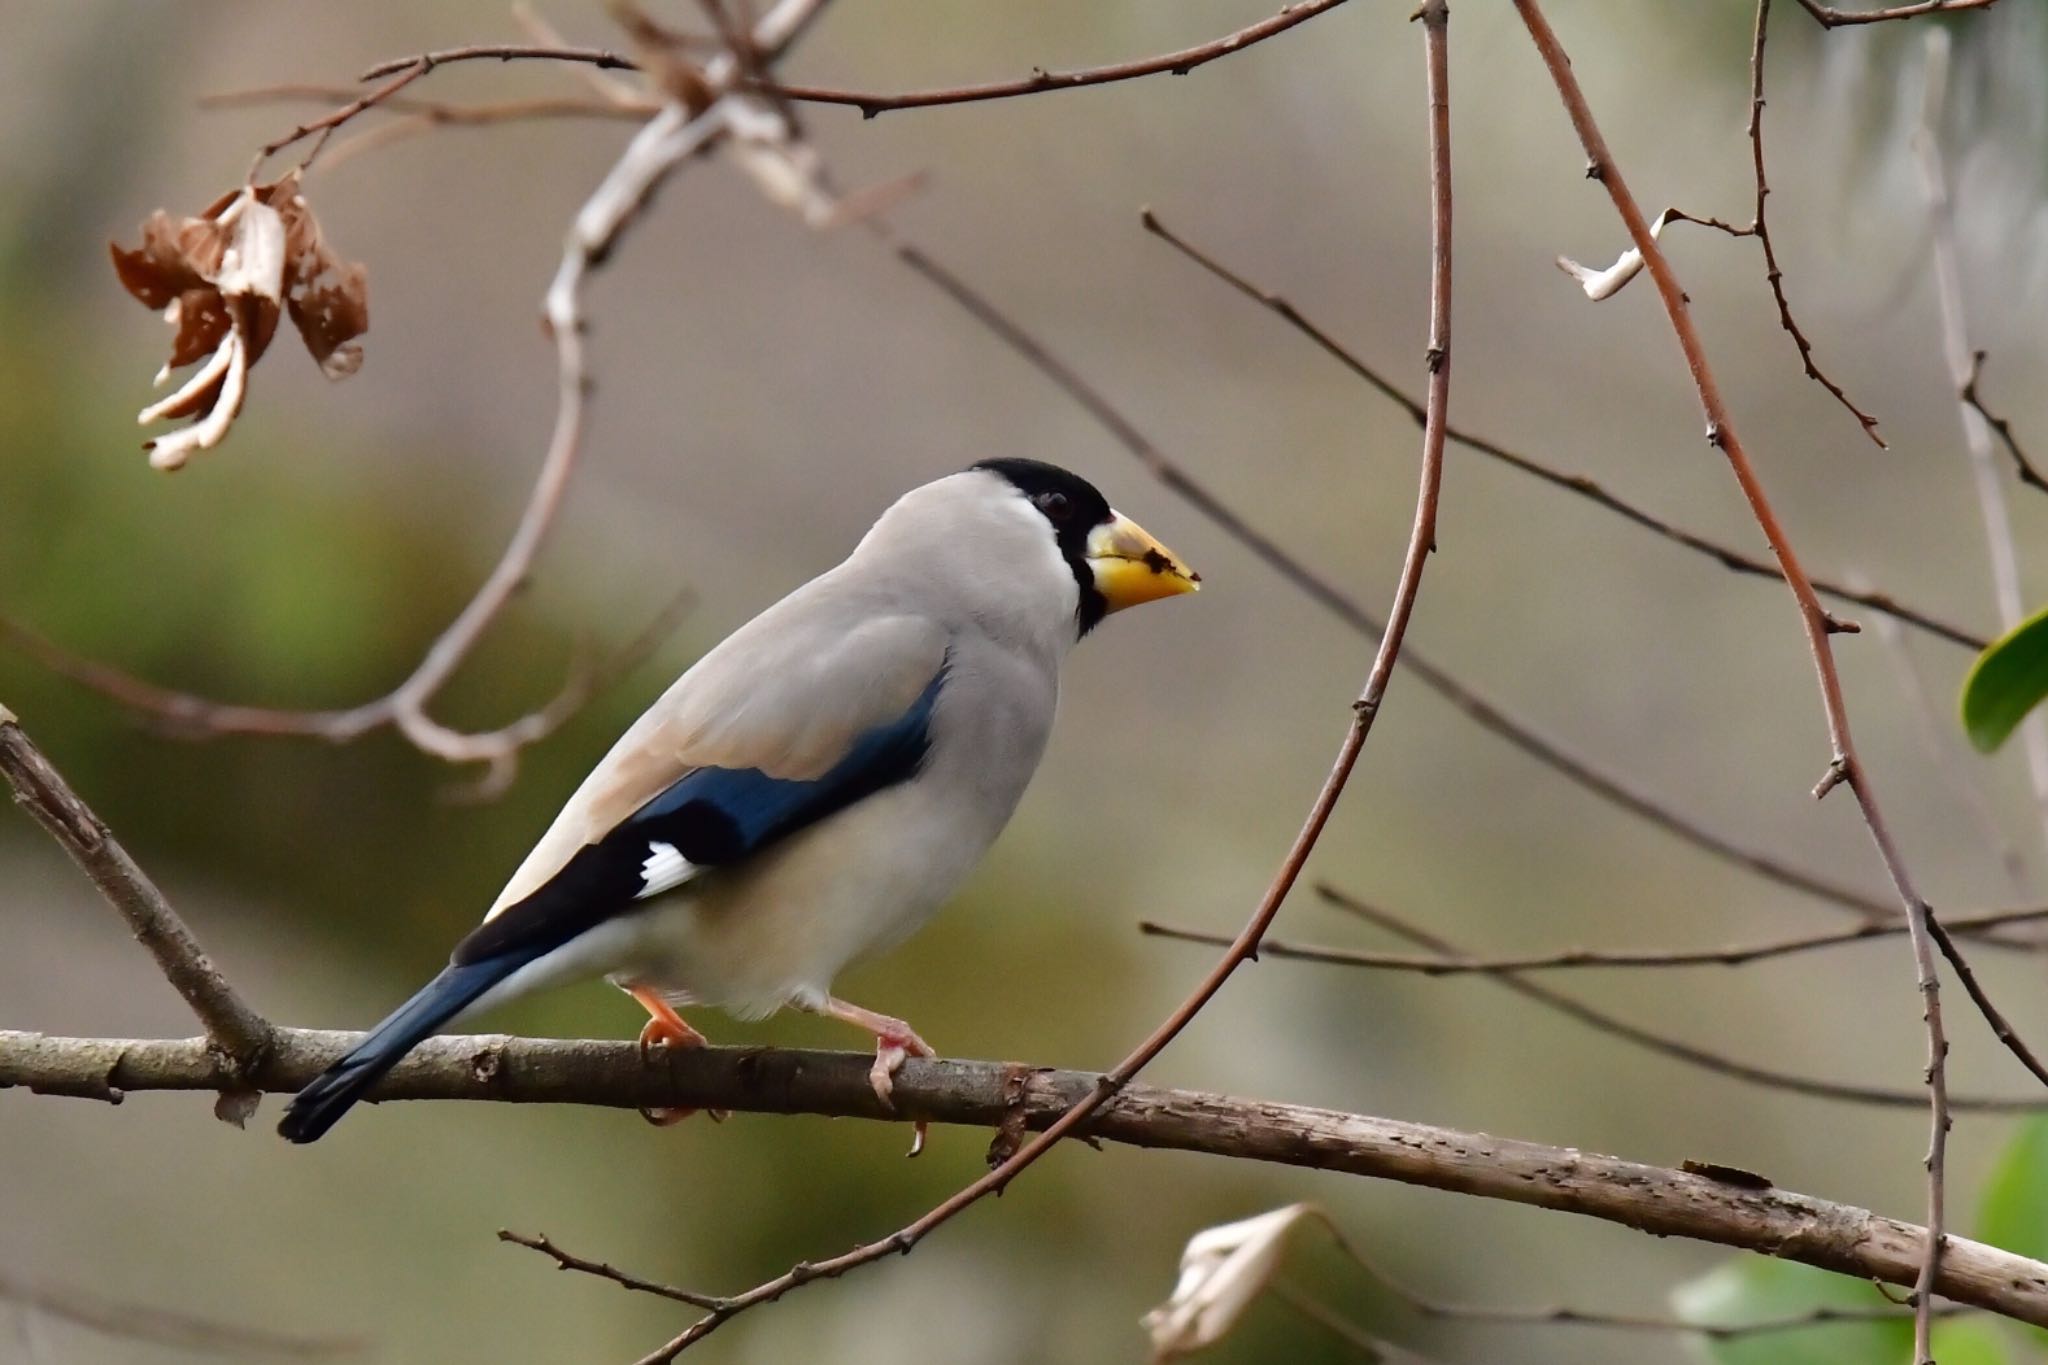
(894, 1041)
(664, 1028)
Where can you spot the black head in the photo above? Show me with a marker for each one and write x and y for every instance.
(1073, 508)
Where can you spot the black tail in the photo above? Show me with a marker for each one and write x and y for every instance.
(334, 1091)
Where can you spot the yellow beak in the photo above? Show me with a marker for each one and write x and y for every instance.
(1131, 567)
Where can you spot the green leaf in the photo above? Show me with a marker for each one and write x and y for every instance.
(1759, 1289)
(2008, 680)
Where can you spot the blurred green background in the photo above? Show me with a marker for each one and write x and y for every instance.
(764, 392)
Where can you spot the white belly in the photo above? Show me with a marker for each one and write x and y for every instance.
(752, 939)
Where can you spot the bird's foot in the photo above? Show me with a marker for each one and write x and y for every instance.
(665, 1029)
(895, 1042)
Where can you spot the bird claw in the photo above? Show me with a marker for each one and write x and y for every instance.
(892, 1049)
(665, 1031)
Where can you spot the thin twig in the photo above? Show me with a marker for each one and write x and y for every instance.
(135, 1322)
(327, 123)
(1678, 1049)
(1815, 622)
(1368, 1346)
(1726, 555)
(1440, 964)
(237, 1032)
(1942, 743)
(871, 103)
(615, 1075)
(2000, 1027)
(189, 716)
(1999, 547)
(601, 58)
(1761, 228)
(606, 1271)
(1434, 16)
(1488, 1315)
(1831, 17)
(1972, 396)
(1608, 784)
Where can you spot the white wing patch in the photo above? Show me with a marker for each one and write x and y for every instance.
(664, 870)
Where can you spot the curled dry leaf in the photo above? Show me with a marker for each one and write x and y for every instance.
(221, 280)
(1222, 1271)
(1604, 284)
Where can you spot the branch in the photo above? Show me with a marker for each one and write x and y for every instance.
(1654, 1200)
(1422, 539)
(1844, 765)
(2024, 467)
(1677, 1049)
(167, 1327)
(1760, 228)
(236, 1033)
(1579, 484)
(1443, 964)
(871, 103)
(1963, 364)
(1423, 1305)
(1831, 17)
(1179, 63)
(1609, 785)
(601, 58)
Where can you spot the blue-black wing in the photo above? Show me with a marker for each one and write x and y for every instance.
(712, 817)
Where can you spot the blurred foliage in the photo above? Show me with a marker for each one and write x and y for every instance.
(2013, 1214)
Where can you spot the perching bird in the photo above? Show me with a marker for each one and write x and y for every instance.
(812, 789)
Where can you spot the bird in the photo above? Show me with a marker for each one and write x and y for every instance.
(813, 788)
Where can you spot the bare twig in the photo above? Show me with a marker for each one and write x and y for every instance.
(1678, 1049)
(1942, 743)
(327, 123)
(1654, 1200)
(1814, 620)
(1424, 1306)
(1422, 540)
(1962, 369)
(605, 1271)
(601, 58)
(1973, 397)
(1761, 228)
(1831, 17)
(2001, 1028)
(189, 716)
(1368, 1346)
(136, 1322)
(236, 1032)
(1440, 964)
(871, 103)
(1726, 555)
(1608, 784)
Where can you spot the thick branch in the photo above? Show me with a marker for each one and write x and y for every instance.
(237, 1031)
(1662, 1202)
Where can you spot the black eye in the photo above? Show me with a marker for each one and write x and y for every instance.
(1056, 506)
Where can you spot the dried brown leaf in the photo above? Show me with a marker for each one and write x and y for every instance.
(327, 296)
(222, 280)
